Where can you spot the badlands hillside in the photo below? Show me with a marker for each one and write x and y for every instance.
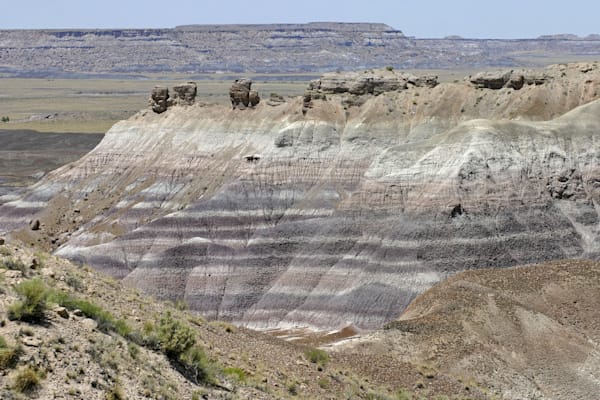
(337, 209)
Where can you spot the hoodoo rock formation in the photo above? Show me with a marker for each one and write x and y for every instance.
(340, 216)
(242, 95)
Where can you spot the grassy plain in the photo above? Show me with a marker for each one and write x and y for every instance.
(94, 105)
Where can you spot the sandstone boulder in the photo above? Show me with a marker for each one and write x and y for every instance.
(159, 99)
(35, 225)
(185, 94)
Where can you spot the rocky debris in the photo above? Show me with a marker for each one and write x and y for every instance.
(508, 79)
(159, 99)
(275, 100)
(566, 185)
(62, 312)
(242, 95)
(185, 94)
(356, 87)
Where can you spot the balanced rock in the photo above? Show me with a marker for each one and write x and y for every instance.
(159, 99)
(185, 94)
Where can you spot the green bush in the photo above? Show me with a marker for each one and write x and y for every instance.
(317, 356)
(6, 118)
(33, 295)
(26, 380)
(175, 337)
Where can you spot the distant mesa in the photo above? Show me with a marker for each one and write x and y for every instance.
(560, 36)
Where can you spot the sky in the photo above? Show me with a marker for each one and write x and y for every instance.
(420, 18)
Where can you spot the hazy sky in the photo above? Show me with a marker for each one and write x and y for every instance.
(421, 18)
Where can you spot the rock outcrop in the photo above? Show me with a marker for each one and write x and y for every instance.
(356, 87)
(184, 95)
(514, 79)
(159, 99)
(274, 219)
(242, 95)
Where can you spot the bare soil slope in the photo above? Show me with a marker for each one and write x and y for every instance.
(529, 332)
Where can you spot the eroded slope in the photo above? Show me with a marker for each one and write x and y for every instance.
(339, 215)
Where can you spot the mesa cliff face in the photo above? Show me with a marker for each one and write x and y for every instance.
(272, 218)
(264, 49)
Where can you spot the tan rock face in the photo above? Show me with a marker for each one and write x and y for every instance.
(340, 216)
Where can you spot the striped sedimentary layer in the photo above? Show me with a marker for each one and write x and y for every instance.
(275, 219)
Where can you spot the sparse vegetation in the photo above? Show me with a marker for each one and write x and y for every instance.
(317, 356)
(106, 321)
(116, 393)
(5, 118)
(9, 356)
(237, 373)
(33, 294)
(26, 380)
(389, 68)
(13, 264)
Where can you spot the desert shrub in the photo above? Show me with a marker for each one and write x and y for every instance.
(389, 68)
(13, 264)
(292, 388)
(323, 382)
(5, 118)
(26, 380)
(175, 337)
(33, 296)
(198, 368)
(133, 350)
(404, 395)
(115, 393)
(9, 356)
(237, 373)
(74, 282)
(317, 356)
